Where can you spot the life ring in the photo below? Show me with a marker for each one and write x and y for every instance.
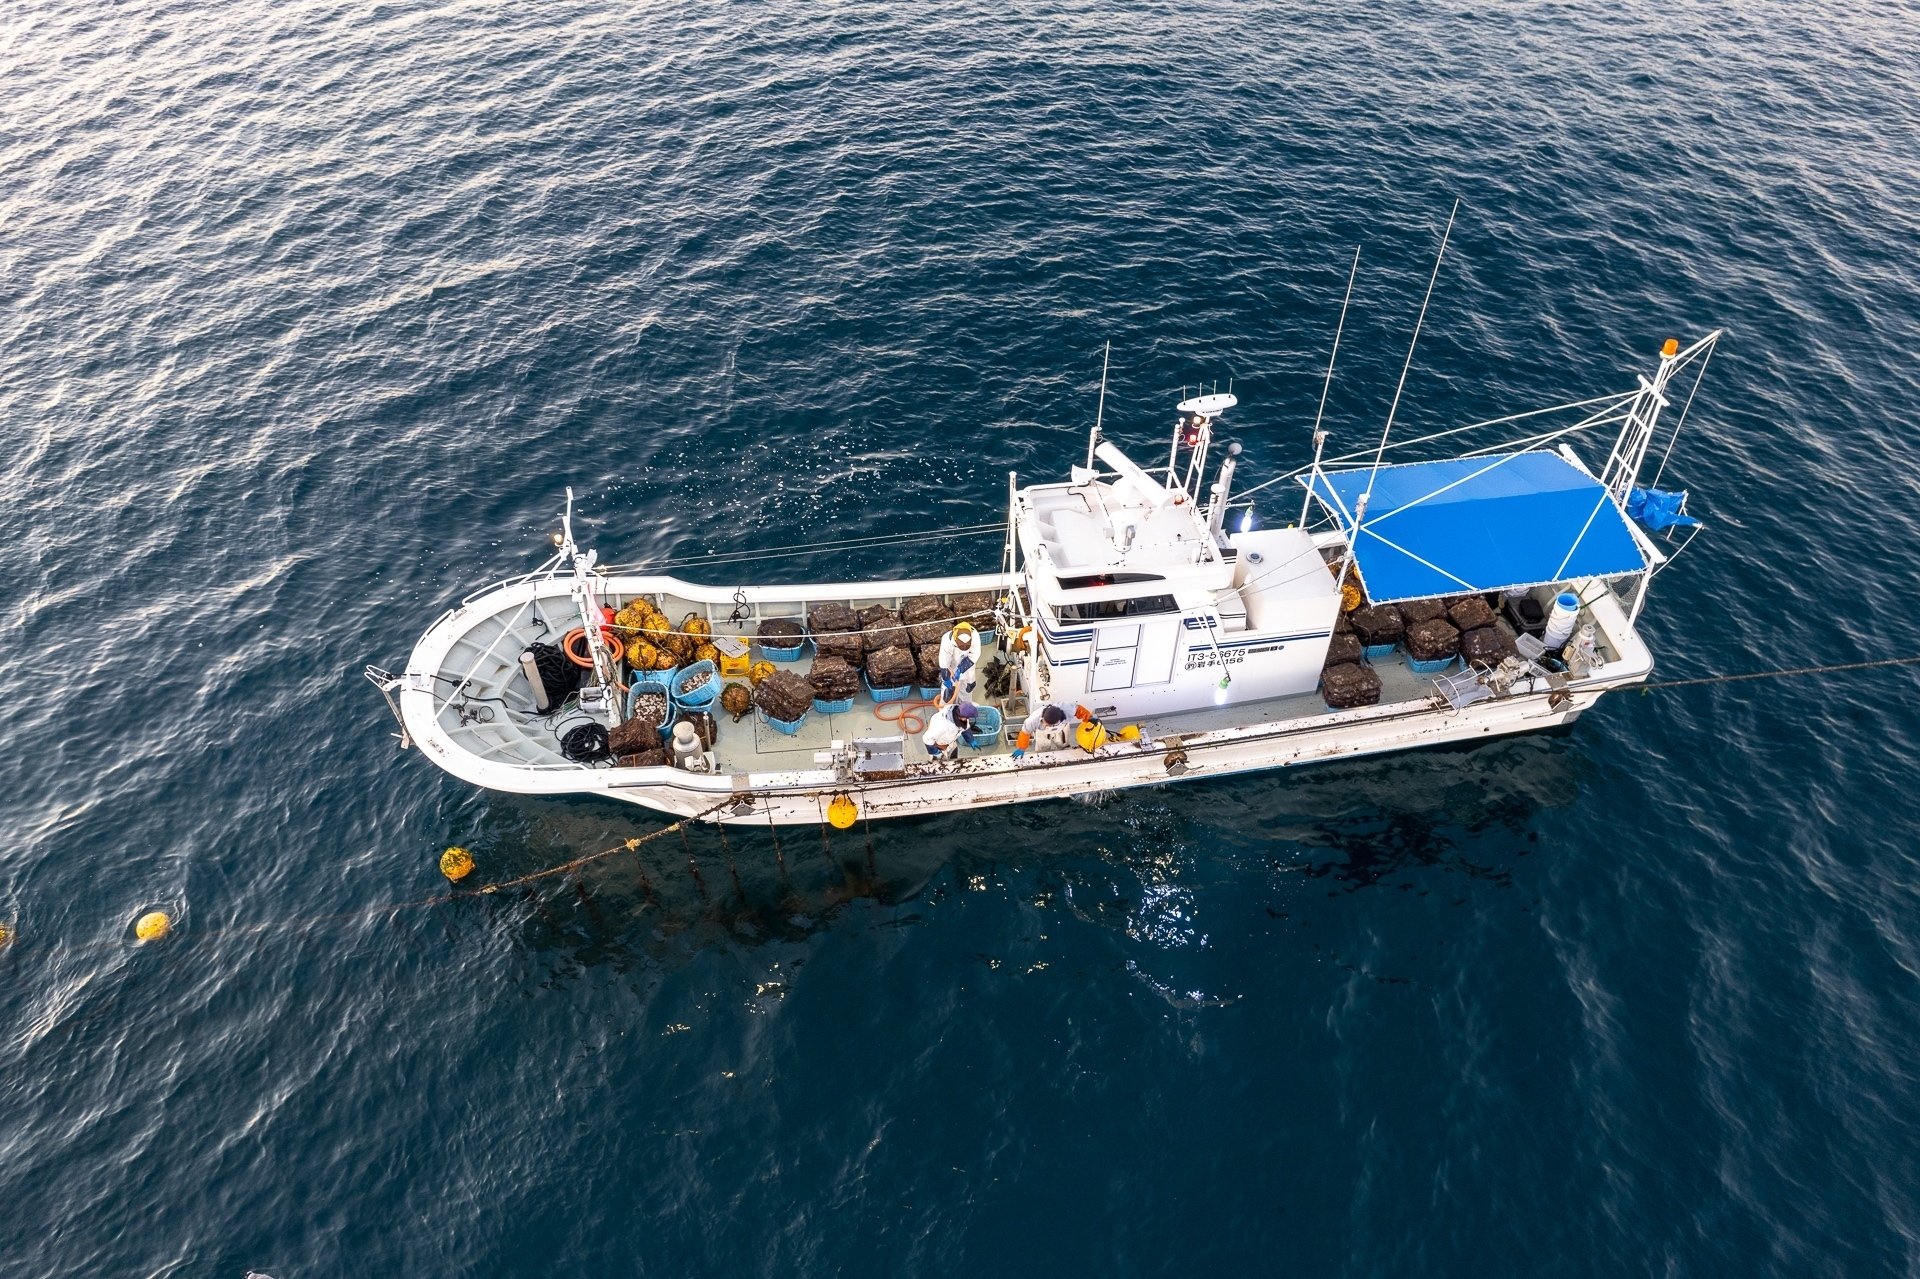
(584, 658)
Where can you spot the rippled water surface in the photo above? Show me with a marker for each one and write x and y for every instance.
(309, 311)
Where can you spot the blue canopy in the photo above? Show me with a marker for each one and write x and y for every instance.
(1474, 524)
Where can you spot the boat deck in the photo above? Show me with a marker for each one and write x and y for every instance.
(751, 746)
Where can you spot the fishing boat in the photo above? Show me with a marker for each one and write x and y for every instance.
(1392, 604)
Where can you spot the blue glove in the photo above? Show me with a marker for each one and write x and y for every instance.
(1018, 753)
(967, 738)
(946, 682)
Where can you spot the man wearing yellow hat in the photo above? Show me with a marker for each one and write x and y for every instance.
(959, 662)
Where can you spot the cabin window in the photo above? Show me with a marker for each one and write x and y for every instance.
(1107, 610)
(1107, 579)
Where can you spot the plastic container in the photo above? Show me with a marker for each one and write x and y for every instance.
(929, 694)
(833, 708)
(1560, 622)
(1435, 667)
(987, 726)
(700, 698)
(900, 694)
(787, 726)
(987, 639)
(793, 654)
(1374, 652)
(651, 682)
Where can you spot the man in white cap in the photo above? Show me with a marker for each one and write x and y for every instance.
(959, 661)
(950, 726)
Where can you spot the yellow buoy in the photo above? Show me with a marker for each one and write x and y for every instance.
(152, 926)
(6, 935)
(456, 864)
(1091, 735)
(842, 811)
(1131, 733)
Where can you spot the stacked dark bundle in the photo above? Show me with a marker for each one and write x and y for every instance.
(1343, 648)
(1413, 612)
(1485, 644)
(927, 618)
(1470, 614)
(1380, 624)
(655, 758)
(975, 607)
(928, 662)
(784, 696)
(1343, 624)
(1349, 685)
(703, 724)
(891, 667)
(634, 736)
(836, 631)
(781, 633)
(834, 679)
(882, 627)
(1432, 639)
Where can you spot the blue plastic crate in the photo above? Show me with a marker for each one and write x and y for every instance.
(781, 654)
(651, 682)
(987, 726)
(1435, 667)
(1373, 652)
(987, 638)
(886, 694)
(929, 694)
(833, 708)
(787, 726)
(701, 698)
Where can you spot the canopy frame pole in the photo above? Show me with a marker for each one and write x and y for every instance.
(1320, 436)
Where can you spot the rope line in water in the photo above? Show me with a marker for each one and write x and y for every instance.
(1779, 674)
(635, 843)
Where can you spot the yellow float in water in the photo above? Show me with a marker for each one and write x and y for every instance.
(456, 864)
(152, 926)
(6, 935)
(842, 811)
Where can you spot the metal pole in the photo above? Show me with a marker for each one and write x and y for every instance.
(1320, 436)
(1100, 410)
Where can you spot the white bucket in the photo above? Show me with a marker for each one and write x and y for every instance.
(1566, 611)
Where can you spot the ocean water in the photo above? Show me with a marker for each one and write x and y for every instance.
(310, 311)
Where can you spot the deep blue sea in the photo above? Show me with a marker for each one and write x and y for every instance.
(310, 311)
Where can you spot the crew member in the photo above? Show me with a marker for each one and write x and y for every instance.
(950, 726)
(959, 662)
(1046, 729)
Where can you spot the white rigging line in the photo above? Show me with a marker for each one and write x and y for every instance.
(811, 548)
(1675, 437)
(1599, 419)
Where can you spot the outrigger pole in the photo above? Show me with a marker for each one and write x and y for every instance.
(1100, 409)
(1320, 436)
(1360, 507)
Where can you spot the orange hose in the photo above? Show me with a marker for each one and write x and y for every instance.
(584, 658)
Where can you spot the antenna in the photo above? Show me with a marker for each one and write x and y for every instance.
(1319, 436)
(1100, 410)
(1360, 507)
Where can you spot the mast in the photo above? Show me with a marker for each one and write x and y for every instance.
(1100, 409)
